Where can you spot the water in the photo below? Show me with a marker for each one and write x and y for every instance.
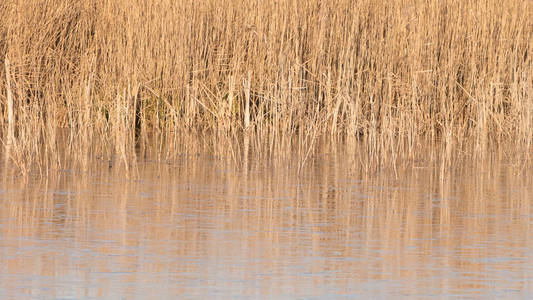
(200, 228)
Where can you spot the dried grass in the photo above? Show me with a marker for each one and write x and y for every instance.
(390, 73)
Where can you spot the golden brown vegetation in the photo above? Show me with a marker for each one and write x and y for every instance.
(280, 71)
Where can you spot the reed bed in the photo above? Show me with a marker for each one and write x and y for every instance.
(279, 74)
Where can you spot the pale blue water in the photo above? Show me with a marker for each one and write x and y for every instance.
(202, 229)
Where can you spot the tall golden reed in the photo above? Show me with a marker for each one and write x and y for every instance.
(382, 71)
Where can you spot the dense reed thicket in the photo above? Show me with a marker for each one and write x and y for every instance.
(376, 70)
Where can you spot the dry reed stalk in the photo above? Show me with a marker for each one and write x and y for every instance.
(247, 102)
(10, 117)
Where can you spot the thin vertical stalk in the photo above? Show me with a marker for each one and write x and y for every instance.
(247, 102)
(10, 116)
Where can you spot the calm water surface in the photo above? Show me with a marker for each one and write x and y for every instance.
(200, 228)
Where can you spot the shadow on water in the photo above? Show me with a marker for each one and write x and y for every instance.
(200, 226)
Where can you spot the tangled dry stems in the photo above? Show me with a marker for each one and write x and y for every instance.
(391, 73)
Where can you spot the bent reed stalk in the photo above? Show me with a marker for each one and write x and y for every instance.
(281, 71)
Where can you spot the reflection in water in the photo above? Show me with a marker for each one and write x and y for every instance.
(200, 228)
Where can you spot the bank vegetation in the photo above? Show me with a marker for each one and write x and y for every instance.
(279, 74)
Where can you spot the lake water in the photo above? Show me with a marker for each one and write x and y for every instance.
(201, 227)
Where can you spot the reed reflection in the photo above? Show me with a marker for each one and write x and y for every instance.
(200, 227)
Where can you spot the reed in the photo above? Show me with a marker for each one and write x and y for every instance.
(391, 73)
